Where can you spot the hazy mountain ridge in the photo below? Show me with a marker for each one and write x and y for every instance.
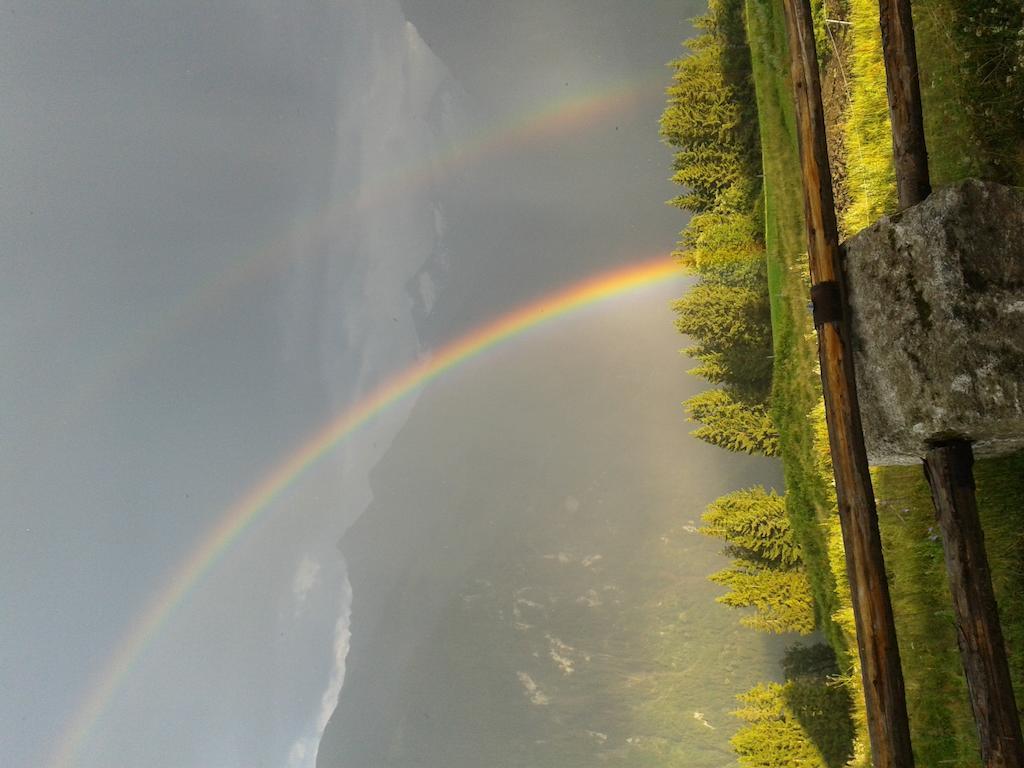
(546, 605)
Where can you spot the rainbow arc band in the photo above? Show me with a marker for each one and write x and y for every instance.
(570, 115)
(257, 501)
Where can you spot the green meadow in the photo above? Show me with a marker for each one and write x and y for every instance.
(969, 58)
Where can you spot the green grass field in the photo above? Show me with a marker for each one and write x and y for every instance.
(941, 723)
(974, 127)
(796, 388)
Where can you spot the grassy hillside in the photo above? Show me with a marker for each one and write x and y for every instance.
(973, 119)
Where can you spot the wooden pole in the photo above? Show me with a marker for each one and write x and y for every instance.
(948, 467)
(910, 154)
(876, 632)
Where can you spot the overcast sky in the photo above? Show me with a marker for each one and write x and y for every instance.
(221, 224)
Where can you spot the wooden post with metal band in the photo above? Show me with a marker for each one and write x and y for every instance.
(876, 632)
(949, 463)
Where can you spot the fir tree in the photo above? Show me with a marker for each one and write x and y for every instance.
(733, 424)
(781, 598)
(772, 736)
(754, 523)
(723, 317)
(724, 247)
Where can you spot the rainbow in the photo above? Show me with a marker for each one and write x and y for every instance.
(250, 507)
(567, 116)
(570, 115)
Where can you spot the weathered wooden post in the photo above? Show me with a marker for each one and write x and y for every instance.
(876, 633)
(949, 461)
(979, 632)
(903, 85)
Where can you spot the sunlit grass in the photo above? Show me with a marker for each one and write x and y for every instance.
(871, 179)
(941, 722)
(972, 86)
(960, 144)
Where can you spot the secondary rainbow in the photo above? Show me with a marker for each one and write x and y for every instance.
(249, 508)
(570, 115)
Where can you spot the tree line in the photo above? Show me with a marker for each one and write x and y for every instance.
(710, 120)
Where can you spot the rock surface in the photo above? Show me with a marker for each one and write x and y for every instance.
(937, 312)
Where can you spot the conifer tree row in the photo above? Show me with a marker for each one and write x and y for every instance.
(710, 120)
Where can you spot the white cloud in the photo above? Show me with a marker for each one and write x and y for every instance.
(297, 754)
(303, 751)
(428, 291)
(307, 576)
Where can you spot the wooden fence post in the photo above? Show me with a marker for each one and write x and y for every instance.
(876, 632)
(910, 155)
(948, 467)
